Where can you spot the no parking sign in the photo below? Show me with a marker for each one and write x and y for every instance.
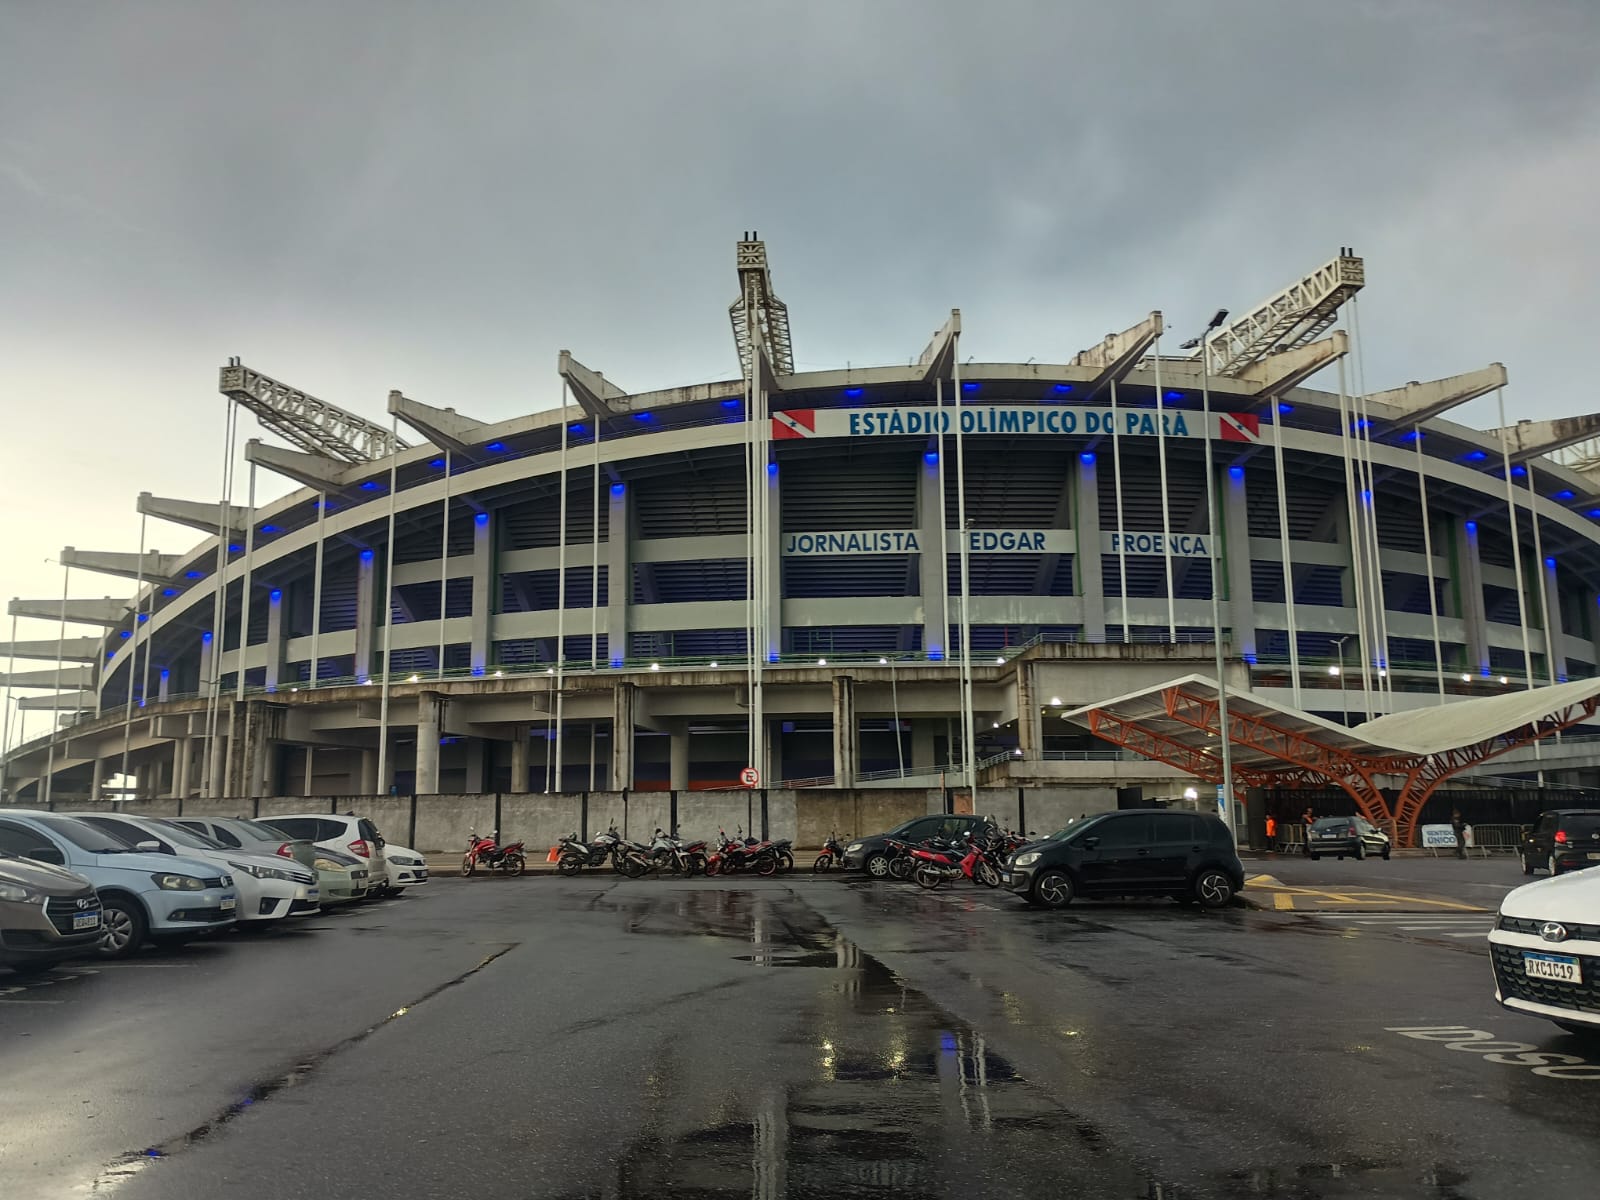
(750, 777)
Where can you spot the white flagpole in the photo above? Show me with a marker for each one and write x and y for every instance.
(388, 609)
(244, 594)
(963, 544)
(1544, 593)
(1122, 528)
(1427, 551)
(1288, 557)
(55, 713)
(561, 594)
(444, 565)
(133, 663)
(1516, 540)
(1166, 507)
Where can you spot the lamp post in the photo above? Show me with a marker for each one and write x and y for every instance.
(1344, 704)
(1203, 344)
(894, 692)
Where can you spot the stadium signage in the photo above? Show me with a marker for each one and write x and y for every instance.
(1184, 545)
(912, 541)
(1011, 419)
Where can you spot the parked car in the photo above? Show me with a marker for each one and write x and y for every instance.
(870, 854)
(1131, 852)
(347, 833)
(143, 896)
(1339, 836)
(407, 868)
(341, 878)
(1545, 948)
(1563, 839)
(270, 888)
(47, 915)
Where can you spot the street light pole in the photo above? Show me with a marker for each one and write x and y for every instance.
(1203, 342)
(894, 692)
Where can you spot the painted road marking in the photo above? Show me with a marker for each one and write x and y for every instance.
(1443, 924)
(1550, 1064)
(1288, 898)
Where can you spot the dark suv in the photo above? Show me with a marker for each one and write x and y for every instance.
(1132, 852)
(870, 854)
(1563, 839)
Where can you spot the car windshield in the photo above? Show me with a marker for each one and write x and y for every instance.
(186, 837)
(1581, 824)
(1334, 823)
(1076, 825)
(84, 836)
(246, 830)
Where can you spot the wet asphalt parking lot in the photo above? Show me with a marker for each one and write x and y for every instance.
(797, 1037)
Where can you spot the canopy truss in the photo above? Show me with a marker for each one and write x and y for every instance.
(1390, 779)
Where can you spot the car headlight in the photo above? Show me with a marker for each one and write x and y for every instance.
(1024, 860)
(852, 847)
(264, 872)
(179, 883)
(326, 864)
(17, 894)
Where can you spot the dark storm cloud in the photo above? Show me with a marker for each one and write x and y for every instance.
(360, 196)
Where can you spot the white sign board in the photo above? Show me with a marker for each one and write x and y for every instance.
(1016, 420)
(1438, 837)
(1184, 545)
(856, 542)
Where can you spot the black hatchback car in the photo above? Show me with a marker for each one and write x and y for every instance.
(1561, 840)
(1131, 852)
(870, 854)
(1355, 836)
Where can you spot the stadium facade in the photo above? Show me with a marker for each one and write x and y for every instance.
(925, 558)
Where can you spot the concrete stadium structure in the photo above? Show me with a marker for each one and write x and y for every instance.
(933, 561)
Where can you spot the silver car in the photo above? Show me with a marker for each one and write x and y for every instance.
(341, 878)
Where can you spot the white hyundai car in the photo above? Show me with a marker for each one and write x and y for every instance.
(270, 888)
(407, 867)
(1546, 951)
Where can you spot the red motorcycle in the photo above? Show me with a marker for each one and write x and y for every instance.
(733, 855)
(484, 852)
(971, 859)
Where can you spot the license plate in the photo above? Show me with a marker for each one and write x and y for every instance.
(423, 874)
(1328, 836)
(227, 904)
(1552, 966)
(89, 920)
(312, 893)
(1594, 857)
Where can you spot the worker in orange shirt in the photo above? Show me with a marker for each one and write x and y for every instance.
(1272, 832)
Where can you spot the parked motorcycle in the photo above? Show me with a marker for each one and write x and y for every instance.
(971, 858)
(733, 855)
(832, 854)
(485, 852)
(572, 855)
(676, 855)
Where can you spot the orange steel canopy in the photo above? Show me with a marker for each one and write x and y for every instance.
(1277, 746)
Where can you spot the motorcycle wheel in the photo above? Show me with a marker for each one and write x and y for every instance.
(697, 865)
(900, 867)
(633, 868)
(468, 864)
(929, 878)
(786, 861)
(514, 864)
(569, 865)
(766, 864)
(713, 867)
(824, 863)
(987, 875)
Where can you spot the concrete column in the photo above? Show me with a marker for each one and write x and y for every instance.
(182, 765)
(430, 706)
(1468, 585)
(309, 785)
(519, 760)
(97, 778)
(1552, 622)
(619, 590)
(924, 752)
(1088, 574)
(774, 752)
(774, 567)
(369, 773)
(846, 733)
(477, 761)
(1030, 729)
(485, 581)
(1591, 599)
(1235, 549)
(161, 687)
(269, 768)
(678, 770)
(366, 613)
(931, 568)
(622, 705)
(275, 641)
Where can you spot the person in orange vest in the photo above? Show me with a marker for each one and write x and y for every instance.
(1272, 832)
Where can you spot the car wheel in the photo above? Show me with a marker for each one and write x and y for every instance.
(1341, 857)
(1386, 851)
(1213, 889)
(1551, 866)
(878, 866)
(1315, 857)
(468, 864)
(1361, 851)
(123, 927)
(396, 893)
(1054, 888)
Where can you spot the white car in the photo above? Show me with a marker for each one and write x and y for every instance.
(270, 888)
(1546, 951)
(407, 868)
(344, 832)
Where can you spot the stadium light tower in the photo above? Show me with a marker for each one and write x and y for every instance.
(1202, 344)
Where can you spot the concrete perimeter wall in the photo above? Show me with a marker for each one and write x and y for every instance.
(437, 824)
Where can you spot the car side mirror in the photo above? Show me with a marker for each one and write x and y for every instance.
(1089, 843)
(148, 846)
(47, 854)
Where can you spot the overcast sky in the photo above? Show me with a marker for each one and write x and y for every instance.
(438, 197)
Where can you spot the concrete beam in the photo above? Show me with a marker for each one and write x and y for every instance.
(938, 357)
(75, 701)
(444, 427)
(70, 677)
(314, 471)
(153, 567)
(1277, 373)
(1529, 439)
(78, 649)
(1118, 354)
(107, 612)
(595, 394)
(1419, 402)
(193, 513)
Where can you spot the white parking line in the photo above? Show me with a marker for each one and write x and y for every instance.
(1474, 925)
